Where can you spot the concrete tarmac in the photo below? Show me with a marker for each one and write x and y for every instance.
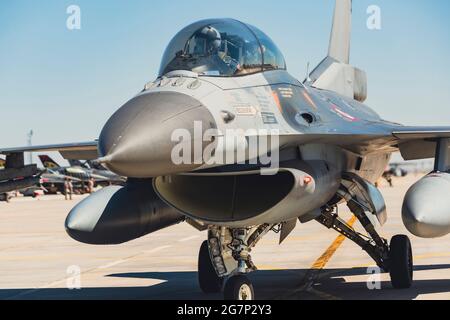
(39, 261)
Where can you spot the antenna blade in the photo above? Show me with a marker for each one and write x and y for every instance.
(341, 31)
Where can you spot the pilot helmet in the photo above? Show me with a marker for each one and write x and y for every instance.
(212, 38)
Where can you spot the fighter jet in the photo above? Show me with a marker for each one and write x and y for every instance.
(53, 182)
(105, 177)
(80, 172)
(228, 141)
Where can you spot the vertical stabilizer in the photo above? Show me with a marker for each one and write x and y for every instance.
(341, 31)
(334, 72)
(48, 162)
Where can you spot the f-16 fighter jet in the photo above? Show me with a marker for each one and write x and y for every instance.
(82, 172)
(228, 141)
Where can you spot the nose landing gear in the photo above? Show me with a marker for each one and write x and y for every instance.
(225, 258)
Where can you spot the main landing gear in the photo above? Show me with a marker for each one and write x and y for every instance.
(367, 204)
(401, 262)
(396, 258)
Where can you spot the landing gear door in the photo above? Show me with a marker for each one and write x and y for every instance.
(367, 195)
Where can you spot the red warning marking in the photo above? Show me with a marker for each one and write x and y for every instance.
(343, 114)
(307, 180)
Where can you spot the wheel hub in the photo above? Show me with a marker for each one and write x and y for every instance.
(245, 293)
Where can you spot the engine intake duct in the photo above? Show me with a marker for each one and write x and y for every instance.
(247, 198)
(227, 197)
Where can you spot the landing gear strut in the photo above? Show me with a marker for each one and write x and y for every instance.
(225, 258)
(366, 202)
(376, 247)
(396, 258)
(238, 286)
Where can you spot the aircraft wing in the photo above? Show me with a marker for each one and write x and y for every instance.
(57, 178)
(414, 143)
(417, 143)
(17, 175)
(69, 151)
(414, 133)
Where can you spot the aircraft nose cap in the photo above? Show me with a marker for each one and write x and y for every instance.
(139, 139)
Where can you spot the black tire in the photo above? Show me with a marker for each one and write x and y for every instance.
(208, 279)
(239, 288)
(401, 266)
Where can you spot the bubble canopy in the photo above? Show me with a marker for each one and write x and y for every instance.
(221, 47)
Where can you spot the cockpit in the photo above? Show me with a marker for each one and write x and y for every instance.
(222, 48)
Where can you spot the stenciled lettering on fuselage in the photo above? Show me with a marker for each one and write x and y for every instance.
(269, 118)
(296, 105)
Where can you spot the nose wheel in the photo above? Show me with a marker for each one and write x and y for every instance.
(401, 262)
(239, 288)
(208, 279)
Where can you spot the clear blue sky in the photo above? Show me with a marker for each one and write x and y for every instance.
(65, 84)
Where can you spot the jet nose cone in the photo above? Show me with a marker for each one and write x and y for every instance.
(426, 208)
(139, 139)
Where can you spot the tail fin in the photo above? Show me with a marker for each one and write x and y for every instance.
(341, 32)
(48, 162)
(334, 72)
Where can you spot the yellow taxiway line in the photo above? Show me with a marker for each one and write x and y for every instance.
(312, 275)
(329, 253)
